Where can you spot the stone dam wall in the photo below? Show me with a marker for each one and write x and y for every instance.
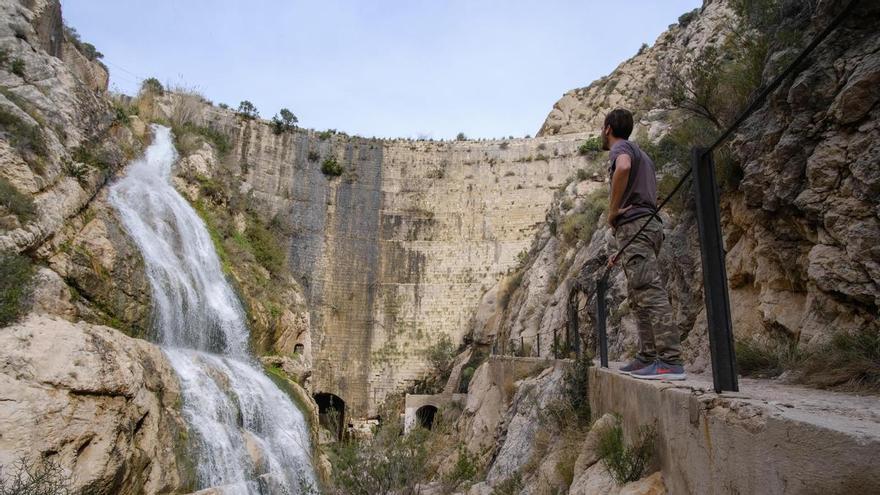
(396, 252)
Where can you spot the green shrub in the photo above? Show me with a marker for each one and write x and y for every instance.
(266, 247)
(390, 462)
(314, 156)
(504, 145)
(436, 173)
(90, 154)
(211, 189)
(441, 357)
(626, 464)
(331, 168)
(577, 384)
(247, 110)
(466, 374)
(582, 224)
(582, 174)
(19, 204)
(593, 144)
(460, 137)
(285, 122)
(152, 86)
(15, 276)
(24, 137)
(18, 67)
(87, 49)
(325, 135)
(217, 138)
(687, 17)
(78, 171)
(510, 486)
(465, 468)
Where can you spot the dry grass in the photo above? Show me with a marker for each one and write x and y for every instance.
(848, 362)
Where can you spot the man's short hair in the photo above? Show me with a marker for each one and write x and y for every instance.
(621, 122)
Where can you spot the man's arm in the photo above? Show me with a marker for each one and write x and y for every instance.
(622, 165)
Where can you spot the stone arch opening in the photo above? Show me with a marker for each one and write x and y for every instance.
(299, 349)
(425, 416)
(331, 413)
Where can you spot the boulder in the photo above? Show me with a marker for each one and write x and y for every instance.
(103, 406)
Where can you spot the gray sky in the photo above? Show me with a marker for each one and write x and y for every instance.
(385, 68)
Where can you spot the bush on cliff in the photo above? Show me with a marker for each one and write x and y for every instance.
(27, 139)
(15, 276)
(284, 121)
(582, 224)
(331, 168)
(14, 201)
(593, 144)
(152, 86)
(247, 110)
(626, 463)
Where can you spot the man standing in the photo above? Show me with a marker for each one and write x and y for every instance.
(634, 197)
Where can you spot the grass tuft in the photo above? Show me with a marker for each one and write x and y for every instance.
(16, 202)
(16, 272)
(626, 463)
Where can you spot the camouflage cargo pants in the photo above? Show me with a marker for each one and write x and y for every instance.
(658, 334)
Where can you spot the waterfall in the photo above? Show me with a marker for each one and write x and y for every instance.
(247, 434)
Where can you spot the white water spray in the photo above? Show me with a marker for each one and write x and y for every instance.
(249, 437)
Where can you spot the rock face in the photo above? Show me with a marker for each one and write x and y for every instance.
(100, 404)
(54, 111)
(633, 83)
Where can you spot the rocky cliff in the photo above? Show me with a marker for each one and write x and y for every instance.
(100, 406)
(799, 205)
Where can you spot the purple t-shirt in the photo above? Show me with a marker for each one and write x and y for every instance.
(641, 188)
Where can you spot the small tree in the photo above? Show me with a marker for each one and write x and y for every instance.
(152, 86)
(286, 122)
(29, 478)
(248, 110)
(461, 137)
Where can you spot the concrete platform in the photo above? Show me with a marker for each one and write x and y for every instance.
(769, 438)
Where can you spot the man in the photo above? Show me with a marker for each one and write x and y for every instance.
(634, 201)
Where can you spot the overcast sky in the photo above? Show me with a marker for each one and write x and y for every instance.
(380, 68)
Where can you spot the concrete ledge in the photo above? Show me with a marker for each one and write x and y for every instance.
(767, 439)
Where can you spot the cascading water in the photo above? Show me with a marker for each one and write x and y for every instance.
(249, 436)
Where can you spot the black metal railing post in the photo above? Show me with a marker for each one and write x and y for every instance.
(601, 287)
(714, 273)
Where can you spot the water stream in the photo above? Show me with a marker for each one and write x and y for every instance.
(248, 436)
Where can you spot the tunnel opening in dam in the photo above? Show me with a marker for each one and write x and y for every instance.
(331, 413)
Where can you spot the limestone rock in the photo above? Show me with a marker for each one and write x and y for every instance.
(649, 485)
(596, 480)
(589, 454)
(522, 422)
(95, 256)
(51, 296)
(101, 404)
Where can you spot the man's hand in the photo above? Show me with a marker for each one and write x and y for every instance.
(612, 216)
